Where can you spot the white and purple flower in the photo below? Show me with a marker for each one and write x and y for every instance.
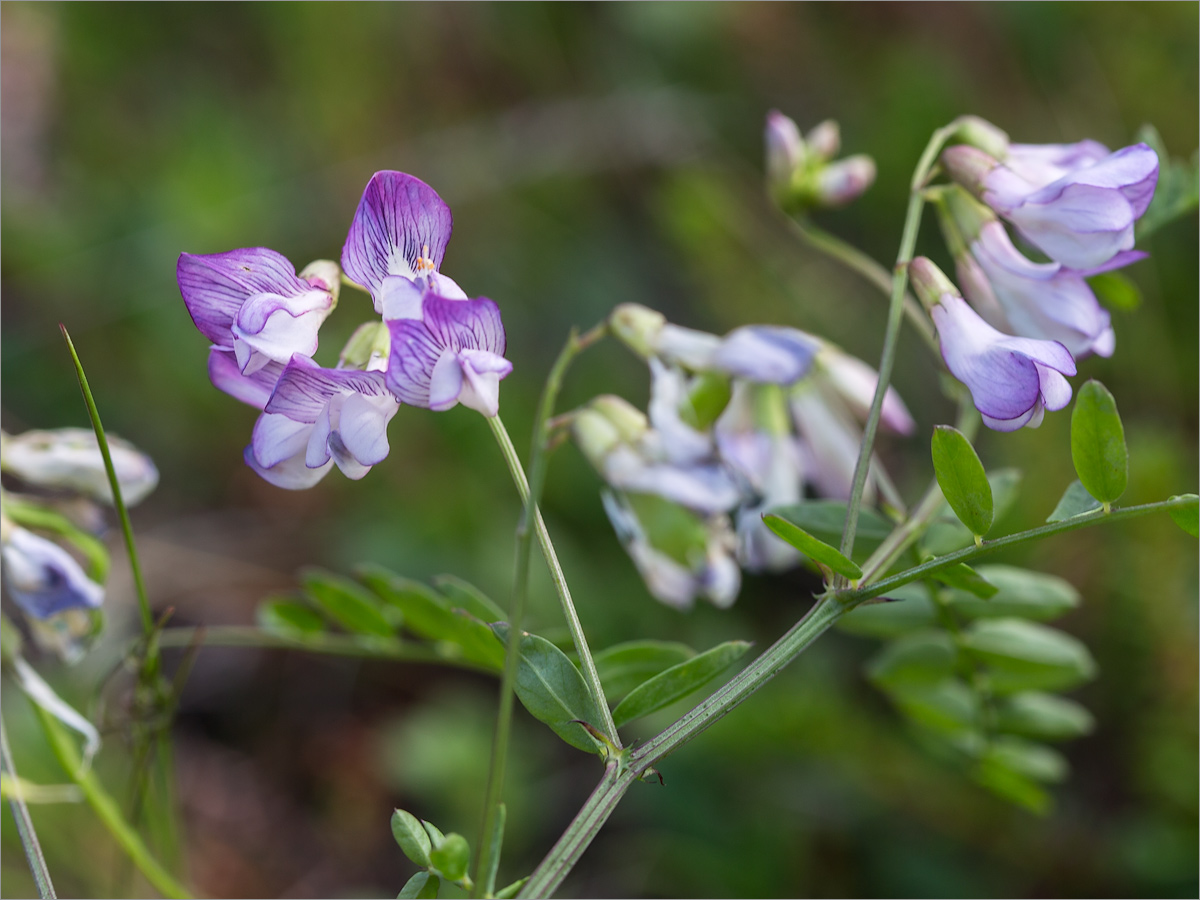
(43, 578)
(1077, 203)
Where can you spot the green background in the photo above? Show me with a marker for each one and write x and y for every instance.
(592, 155)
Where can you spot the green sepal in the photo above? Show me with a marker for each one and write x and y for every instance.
(1098, 443)
(289, 618)
(412, 837)
(816, 550)
(1026, 656)
(422, 886)
(962, 478)
(552, 689)
(1187, 517)
(1075, 501)
(963, 577)
(622, 667)
(345, 602)
(464, 595)
(677, 682)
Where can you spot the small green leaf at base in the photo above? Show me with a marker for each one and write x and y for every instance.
(1187, 516)
(817, 551)
(345, 601)
(422, 886)
(288, 618)
(1098, 443)
(1076, 501)
(961, 477)
(677, 682)
(623, 667)
(512, 890)
(412, 838)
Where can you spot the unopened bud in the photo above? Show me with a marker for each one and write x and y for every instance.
(637, 326)
(595, 435)
(325, 275)
(825, 140)
(70, 458)
(845, 180)
(785, 152)
(982, 134)
(630, 422)
(367, 348)
(929, 282)
(968, 166)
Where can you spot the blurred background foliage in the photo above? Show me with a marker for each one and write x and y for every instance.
(592, 154)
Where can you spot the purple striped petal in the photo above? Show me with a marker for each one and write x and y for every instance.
(482, 371)
(215, 286)
(401, 228)
(465, 325)
(305, 388)
(226, 375)
(1041, 164)
(43, 578)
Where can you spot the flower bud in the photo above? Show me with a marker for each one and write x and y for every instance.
(982, 134)
(629, 421)
(637, 326)
(367, 348)
(785, 152)
(596, 436)
(844, 181)
(325, 275)
(929, 282)
(824, 141)
(70, 458)
(968, 166)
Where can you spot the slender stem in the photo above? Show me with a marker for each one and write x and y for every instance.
(29, 838)
(106, 808)
(858, 261)
(115, 485)
(908, 240)
(968, 554)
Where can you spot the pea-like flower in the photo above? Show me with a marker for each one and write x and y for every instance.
(70, 458)
(398, 239)
(453, 353)
(253, 303)
(1084, 215)
(43, 578)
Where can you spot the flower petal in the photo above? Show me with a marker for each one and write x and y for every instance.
(43, 578)
(399, 220)
(226, 375)
(482, 370)
(305, 388)
(464, 324)
(362, 427)
(445, 381)
(766, 353)
(276, 438)
(215, 286)
(290, 473)
(414, 353)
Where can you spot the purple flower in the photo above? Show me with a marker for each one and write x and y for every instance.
(453, 354)
(316, 418)
(43, 578)
(1012, 380)
(1084, 216)
(398, 239)
(253, 303)
(1046, 301)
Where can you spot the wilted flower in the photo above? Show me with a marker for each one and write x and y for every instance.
(42, 578)
(253, 303)
(1069, 201)
(70, 458)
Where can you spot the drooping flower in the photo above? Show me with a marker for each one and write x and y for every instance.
(453, 354)
(316, 418)
(42, 578)
(398, 239)
(1084, 215)
(252, 302)
(70, 458)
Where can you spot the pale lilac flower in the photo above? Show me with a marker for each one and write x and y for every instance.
(1046, 301)
(70, 458)
(397, 240)
(453, 354)
(316, 418)
(784, 150)
(1012, 380)
(252, 302)
(1083, 217)
(43, 578)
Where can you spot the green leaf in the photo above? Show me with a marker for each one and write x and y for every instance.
(1036, 761)
(551, 688)
(947, 534)
(422, 886)
(963, 577)
(921, 657)
(1076, 501)
(427, 614)
(1020, 593)
(945, 706)
(1043, 716)
(677, 682)
(906, 609)
(435, 834)
(1012, 786)
(1178, 189)
(1186, 517)
(412, 837)
(1116, 291)
(817, 551)
(962, 479)
(495, 845)
(464, 595)
(623, 667)
(1098, 443)
(1026, 656)
(346, 603)
(708, 396)
(512, 890)
(452, 857)
(825, 520)
(288, 618)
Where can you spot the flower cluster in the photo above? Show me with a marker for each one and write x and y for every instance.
(433, 347)
(735, 425)
(801, 171)
(1028, 322)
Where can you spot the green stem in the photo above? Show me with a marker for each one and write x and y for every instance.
(968, 554)
(29, 838)
(858, 261)
(908, 241)
(106, 808)
(600, 805)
